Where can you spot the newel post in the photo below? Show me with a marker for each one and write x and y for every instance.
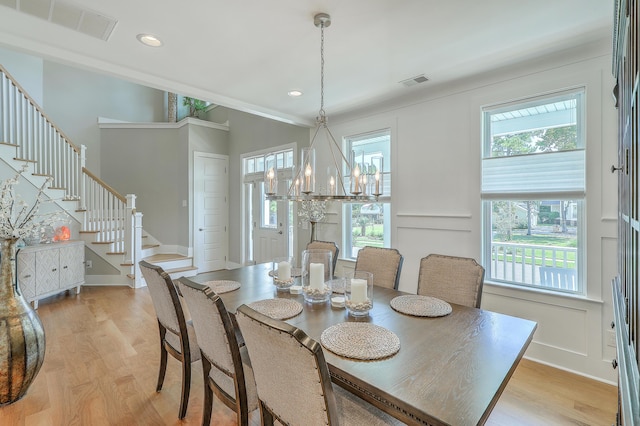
(129, 230)
(137, 249)
(81, 181)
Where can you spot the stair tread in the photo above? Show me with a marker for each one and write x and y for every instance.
(170, 271)
(120, 253)
(186, 268)
(148, 246)
(24, 159)
(9, 144)
(165, 257)
(89, 232)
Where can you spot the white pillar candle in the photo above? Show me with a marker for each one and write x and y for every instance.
(284, 271)
(358, 290)
(316, 276)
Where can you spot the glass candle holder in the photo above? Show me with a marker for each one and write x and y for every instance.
(281, 271)
(316, 275)
(358, 293)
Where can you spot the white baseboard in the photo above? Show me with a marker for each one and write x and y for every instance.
(107, 280)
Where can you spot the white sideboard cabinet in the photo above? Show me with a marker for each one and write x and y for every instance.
(47, 269)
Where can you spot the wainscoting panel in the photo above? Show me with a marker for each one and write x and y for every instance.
(418, 242)
(554, 321)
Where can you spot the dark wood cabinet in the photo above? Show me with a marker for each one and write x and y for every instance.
(625, 287)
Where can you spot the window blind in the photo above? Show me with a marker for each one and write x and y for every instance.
(538, 175)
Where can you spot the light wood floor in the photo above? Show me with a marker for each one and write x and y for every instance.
(102, 362)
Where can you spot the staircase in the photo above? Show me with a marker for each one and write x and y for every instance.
(107, 221)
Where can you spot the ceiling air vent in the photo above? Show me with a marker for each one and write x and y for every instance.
(414, 80)
(68, 15)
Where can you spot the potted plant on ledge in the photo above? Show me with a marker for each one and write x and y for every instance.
(196, 106)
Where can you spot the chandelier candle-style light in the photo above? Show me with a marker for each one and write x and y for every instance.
(362, 184)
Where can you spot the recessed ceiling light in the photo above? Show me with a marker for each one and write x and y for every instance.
(294, 93)
(149, 40)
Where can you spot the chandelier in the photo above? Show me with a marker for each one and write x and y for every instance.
(347, 179)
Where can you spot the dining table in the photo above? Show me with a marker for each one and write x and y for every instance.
(449, 370)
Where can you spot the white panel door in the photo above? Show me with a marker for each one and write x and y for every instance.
(269, 226)
(211, 211)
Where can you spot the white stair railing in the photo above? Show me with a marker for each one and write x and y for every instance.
(106, 212)
(24, 123)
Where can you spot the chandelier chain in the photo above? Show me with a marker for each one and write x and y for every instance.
(322, 113)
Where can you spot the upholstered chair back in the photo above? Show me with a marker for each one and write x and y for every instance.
(276, 350)
(164, 296)
(454, 279)
(384, 263)
(326, 245)
(223, 360)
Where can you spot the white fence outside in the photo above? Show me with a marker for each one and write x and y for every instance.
(533, 265)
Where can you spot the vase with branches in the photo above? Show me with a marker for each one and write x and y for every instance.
(22, 337)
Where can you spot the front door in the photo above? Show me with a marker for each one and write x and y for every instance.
(211, 211)
(269, 226)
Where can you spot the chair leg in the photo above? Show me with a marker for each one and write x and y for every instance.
(208, 392)
(186, 386)
(163, 360)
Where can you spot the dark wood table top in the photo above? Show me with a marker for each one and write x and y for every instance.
(450, 370)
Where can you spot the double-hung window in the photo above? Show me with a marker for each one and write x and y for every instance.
(533, 192)
(369, 224)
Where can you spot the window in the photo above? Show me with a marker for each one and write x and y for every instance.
(368, 224)
(533, 189)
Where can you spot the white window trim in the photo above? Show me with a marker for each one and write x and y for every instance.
(576, 193)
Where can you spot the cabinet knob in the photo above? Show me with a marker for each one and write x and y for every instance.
(614, 363)
(64, 267)
(613, 324)
(54, 269)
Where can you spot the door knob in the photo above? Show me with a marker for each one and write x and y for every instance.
(200, 229)
(280, 232)
(616, 169)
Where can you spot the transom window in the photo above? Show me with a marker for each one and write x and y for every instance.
(533, 188)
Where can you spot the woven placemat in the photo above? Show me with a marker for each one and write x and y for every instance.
(360, 340)
(420, 306)
(223, 286)
(279, 309)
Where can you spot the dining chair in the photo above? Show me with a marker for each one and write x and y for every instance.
(292, 377)
(453, 279)
(177, 335)
(326, 245)
(384, 263)
(225, 363)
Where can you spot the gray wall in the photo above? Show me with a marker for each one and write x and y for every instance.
(27, 70)
(74, 99)
(249, 133)
(155, 164)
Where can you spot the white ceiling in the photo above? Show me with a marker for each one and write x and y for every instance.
(248, 54)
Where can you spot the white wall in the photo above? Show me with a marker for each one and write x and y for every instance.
(436, 206)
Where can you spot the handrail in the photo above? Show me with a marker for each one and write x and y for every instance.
(105, 185)
(106, 213)
(38, 108)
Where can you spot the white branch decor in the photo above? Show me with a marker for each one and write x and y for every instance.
(19, 219)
